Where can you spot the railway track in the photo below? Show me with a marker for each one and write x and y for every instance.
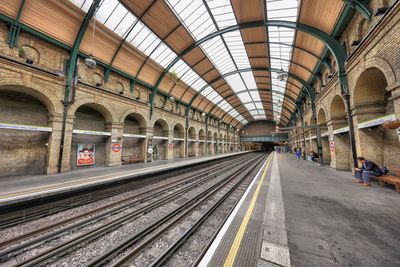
(17, 215)
(164, 194)
(240, 177)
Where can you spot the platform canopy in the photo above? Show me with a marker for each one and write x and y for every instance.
(238, 75)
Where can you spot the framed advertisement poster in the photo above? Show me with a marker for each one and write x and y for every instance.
(85, 154)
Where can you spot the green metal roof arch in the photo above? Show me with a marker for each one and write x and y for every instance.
(329, 41)
(250, 102)
(254, 90)
(290, 99)
(310, 91)
(235, 117)
(360, 6)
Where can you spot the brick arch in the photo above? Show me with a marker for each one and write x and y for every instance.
(322, 108)
(191, 130)
(164, 123)
(143, 117)
(180, 126)
(204, 133)
(333, 105)
(41, 93)
(378, 63)
(99, 105)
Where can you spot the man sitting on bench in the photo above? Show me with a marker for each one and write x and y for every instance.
(368, 169)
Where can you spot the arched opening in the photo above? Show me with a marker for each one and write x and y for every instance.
(202, 142)
(25, 133)
(90, 136)
(192, 142)
(371, 108)
(322, 121)
(134, 139)
(340, 147)
(210, 143)
(215, 143)
(179, 141)
(160, 139)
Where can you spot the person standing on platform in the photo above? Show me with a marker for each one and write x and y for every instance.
(368, 169)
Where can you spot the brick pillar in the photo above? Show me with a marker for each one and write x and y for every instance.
(66, 157)
(144, 156)
(341, 156)
(54, 143)
(169, 146)
(113, 158)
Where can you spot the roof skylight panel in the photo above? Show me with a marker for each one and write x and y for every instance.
(245, 97)
(259, 105)
(251, 107)
(236, 83)
(82, 4)
(285, 10)
(222, 12)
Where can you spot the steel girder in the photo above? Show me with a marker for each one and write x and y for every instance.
(250, 102)
(235, 117)
(259, 89)
(15, 27)
(360, 7)
(328, 40)
(310, 91)
(290, 99)
(320, 60)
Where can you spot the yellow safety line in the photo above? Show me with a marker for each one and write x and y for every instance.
(230, 259)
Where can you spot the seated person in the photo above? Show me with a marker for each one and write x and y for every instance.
(314, 156)
(368, 169)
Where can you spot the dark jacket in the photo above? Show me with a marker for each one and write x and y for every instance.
(371, 166)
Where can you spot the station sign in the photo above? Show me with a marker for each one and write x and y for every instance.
(25, 127)
(116, 147)
(376, 121)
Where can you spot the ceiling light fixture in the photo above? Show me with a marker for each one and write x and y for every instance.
(90, 62)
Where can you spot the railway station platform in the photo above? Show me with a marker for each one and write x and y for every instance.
(296, 213)
(16, 189)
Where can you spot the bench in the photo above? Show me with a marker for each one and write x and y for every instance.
(130, 159)
(393, 177)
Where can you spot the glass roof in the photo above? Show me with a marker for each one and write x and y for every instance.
(280, 10)
(117, 18)
(226, 52)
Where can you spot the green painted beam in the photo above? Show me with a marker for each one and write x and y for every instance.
(309, 89)
(259, 89)
(75, 49)
(330, 42)
(360, 7)
(15, 28)
(235, 117)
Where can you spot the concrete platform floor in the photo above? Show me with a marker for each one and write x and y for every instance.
(332, 221)
(29, 187)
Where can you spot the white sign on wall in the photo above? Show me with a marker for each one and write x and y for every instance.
(25, 127)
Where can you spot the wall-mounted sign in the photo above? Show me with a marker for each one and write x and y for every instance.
(85, 154)
(25, 127)
(332, 145)
(116, 147)
(76, 131)
(376, 121)
(171, 146)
